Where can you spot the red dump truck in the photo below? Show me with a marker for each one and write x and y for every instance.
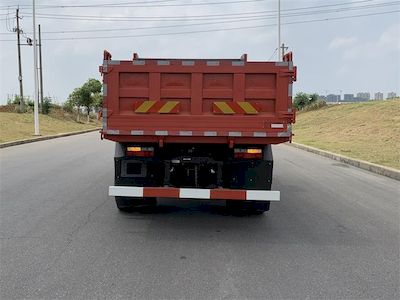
(196, 128)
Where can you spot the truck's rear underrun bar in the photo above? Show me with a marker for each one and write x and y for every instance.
(193, 193)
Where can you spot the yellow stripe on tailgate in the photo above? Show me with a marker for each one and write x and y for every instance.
(248, 108)
(168, 107)
(144, 107)
(224, 107)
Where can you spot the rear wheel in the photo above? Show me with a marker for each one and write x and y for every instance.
(250, 207)
(129, 203)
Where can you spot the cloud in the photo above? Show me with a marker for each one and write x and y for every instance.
(387, 43)
(390, 38)
(342, 42)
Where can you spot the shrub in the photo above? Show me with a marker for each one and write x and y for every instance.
(315, 105)
(46, 105)
(303, 100)
(68, 106)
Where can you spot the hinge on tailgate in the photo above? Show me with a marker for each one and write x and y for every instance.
(103, 69)
(106, 57)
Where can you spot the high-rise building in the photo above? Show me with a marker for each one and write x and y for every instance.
(348, 97)
(378, 96)
(332, 98)
(391, 95)
(363, 96)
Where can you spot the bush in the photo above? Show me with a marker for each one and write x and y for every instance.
(303, 100)
(315, 105)
(30, 103)
(46, 105)
(15, 101)
(68, 106)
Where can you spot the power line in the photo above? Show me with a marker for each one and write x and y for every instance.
(134, 4)
(273, 53)
(214, 30)
(210, 17)
(98, 4)
(169, 26)
(150, 27)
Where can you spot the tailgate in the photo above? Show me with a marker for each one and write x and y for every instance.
(197, 100)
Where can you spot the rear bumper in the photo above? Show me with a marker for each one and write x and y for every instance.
(193, 193)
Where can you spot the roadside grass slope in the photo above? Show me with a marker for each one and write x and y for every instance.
(369, 131)
(15, 126)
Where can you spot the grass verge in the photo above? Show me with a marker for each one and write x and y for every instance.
(369, 131)
(15, 126)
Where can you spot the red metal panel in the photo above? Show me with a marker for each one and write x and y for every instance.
(197, 94)
(196, 85)
(239, 88)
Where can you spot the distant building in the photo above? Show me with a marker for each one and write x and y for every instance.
(391, 95)
(348, 97)
(378, 96)
(332, 98)
(363, 96)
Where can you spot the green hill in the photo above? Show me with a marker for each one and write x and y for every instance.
(369, 131)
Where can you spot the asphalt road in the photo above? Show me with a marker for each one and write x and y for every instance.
(334, 235)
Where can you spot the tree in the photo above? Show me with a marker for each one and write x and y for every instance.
(97, 101)
(305, 102)
(301, 100)
(74, 101)
(87, 96)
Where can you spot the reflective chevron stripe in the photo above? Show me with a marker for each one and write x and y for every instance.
(168, 107)
(223, 107)
(230, 108)
(248, 108)
(144, 106)
(161, 107)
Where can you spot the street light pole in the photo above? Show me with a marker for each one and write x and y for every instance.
(35, 74)
(41, 71)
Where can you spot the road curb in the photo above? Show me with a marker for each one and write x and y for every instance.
(44, 138)
(374, 168)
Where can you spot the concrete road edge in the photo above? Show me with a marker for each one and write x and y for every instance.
(44, 138)
(374, 168)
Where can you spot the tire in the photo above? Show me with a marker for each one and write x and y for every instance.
(129, 204)
(249, 207)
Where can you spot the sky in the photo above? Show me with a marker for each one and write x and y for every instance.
(339, 46)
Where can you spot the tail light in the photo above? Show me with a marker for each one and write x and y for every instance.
(140, 151)
(251, 153)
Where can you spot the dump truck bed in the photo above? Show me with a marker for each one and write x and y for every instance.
(232, 101)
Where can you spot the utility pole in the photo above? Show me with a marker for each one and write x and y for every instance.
(35, 73)
(21, 89)
(41, 71)
(279, 30)
(283, 48)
